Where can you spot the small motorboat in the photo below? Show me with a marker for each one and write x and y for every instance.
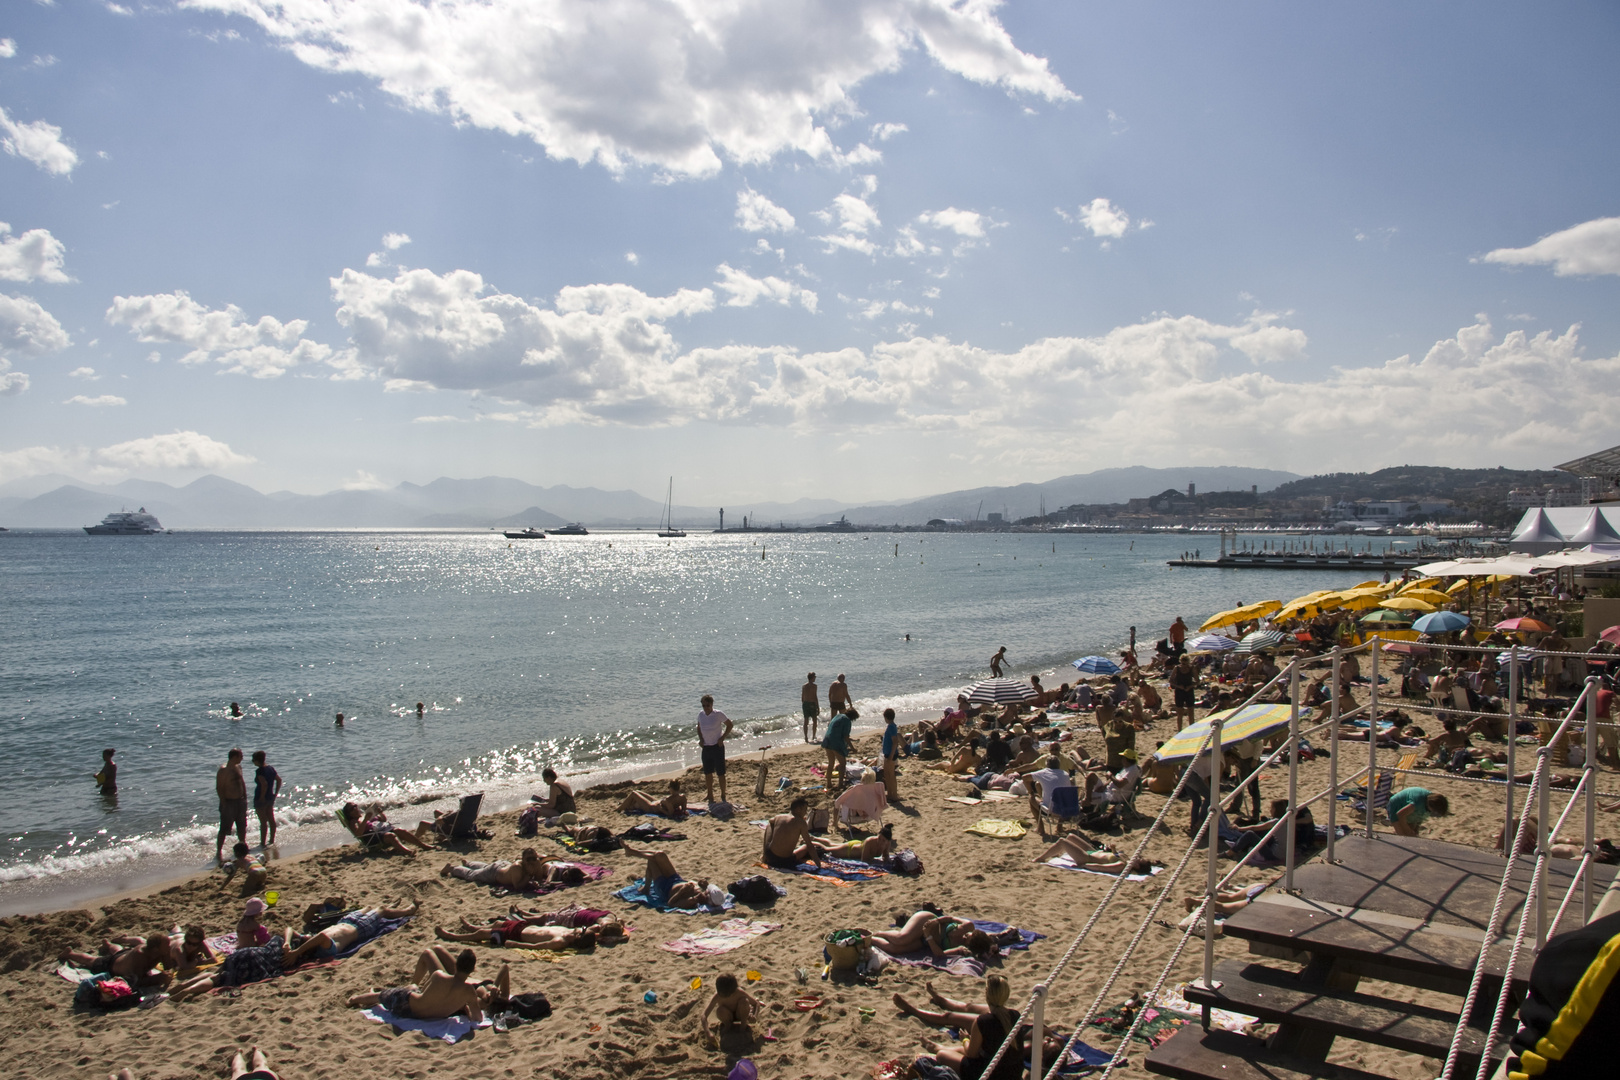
(530, 533)
(573, 528)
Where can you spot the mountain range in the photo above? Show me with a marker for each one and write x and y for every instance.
(212, 502)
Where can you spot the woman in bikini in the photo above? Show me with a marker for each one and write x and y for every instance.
(1088, 857)
(943, 935)
(868, 849)
(522, 934)
(966, 763)
(672, 805)
(349, 932)
(988, 1026)
(609, 929)
(375, 833)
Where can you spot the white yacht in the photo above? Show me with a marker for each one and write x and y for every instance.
(124, 523)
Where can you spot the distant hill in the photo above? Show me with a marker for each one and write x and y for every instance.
(1415, 481)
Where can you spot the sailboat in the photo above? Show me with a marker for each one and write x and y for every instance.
(666, 527)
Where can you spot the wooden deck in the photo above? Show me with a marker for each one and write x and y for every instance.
(1402, 910)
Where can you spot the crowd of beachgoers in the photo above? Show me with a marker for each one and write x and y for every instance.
(887, 895)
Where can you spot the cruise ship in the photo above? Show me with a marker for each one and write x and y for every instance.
(124, 523)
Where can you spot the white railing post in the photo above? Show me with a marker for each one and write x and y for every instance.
(1212, 837)
(1333, 762)
(1543, 826)
(1372, 738)
(1037, 1022)
(1591, 794)
(1293, 769)
(1513, 731)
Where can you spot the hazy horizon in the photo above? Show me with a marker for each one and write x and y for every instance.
(877, 247)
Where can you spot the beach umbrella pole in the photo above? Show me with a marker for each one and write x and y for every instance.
(1333, 761)
(1212, 836)
(1513, 730)
(1372, 736)
(1293, 768)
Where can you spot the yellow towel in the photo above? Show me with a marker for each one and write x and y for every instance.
(1007, 830)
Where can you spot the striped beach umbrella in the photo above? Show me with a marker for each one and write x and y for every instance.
(1000, 692)
(1211, 643)
(1096, 665)
(1261, 640)
(1249, 722)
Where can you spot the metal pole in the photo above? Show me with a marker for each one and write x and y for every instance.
(1333, 761)
(1543, 826)
(1037, 1020)
(1591, 794)
(1372, 738)
(1513, 731)
(1212, 838)
(1293, 768)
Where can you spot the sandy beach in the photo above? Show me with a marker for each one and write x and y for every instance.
(602, 1026)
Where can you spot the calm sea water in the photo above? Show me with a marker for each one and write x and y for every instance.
(581, 653)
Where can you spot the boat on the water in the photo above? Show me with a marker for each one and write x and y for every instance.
(530, 533)
(573, 528)
(666, 527)
(124, 523)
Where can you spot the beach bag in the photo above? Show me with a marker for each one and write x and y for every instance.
(758, 889)
(820, 819)
(906, 862)
(722, 811)
(743, 1070)
(88, 995)
(531, 1006)
(529, 822)
(930, 1069)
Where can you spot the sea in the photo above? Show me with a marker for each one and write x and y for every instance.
(587, 654)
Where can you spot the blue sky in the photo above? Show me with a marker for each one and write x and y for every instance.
(861, 250)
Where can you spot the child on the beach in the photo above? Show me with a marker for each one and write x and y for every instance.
(252, 868)
(732, 1006)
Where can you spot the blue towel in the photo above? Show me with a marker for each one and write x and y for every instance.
(1025, 937)
(636, 893)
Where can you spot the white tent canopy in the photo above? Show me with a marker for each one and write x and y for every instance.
(1519, 565)
(1596, 530)
(1536, 533)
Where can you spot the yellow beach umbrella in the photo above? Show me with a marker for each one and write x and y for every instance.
(1373, 584)
(1408, 603)
(1433, 596)
(1420, 583)
(1301, 607)
(1249, 722)
(1459, 585)
(1241, 614)
(1359, 599)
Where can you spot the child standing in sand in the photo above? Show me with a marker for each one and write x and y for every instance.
(732, 1006)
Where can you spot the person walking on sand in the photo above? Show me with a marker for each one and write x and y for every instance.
(996, 661)
(231, 788)
(713, 727)
(266, 786)
(1178, 636)
(838, 695)
(107, 778)
(810, 702)
(1183, 688)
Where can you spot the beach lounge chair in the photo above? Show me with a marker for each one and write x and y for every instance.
(1065, 806)
(1382, 790)
(463, 824)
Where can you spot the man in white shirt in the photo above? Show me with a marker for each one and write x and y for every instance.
(713, 727)
(1042, 785)
(1119, 788)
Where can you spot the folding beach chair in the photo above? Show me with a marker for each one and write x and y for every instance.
(1382, 790)
(1065, 805)
(463, 824)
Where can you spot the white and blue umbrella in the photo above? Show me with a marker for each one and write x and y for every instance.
(1261, 640)
(1096, 665)
(1441, 622)
(1211, 643)
(1000, 691)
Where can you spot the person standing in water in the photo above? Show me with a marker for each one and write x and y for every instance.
(838, 694)
(266, 786)
(810, 702)
(107, 778)
(996, 661)
(231, 788)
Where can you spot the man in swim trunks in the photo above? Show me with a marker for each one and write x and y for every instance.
(530, 868)
(440, 989)
(713, 728)
(349, 932)
(266, 786)
(231, 788)
(810, 702)
(838, 695)
(665, 887)
(524, 934)
(787, 838)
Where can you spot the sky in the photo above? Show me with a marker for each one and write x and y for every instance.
(851, 249)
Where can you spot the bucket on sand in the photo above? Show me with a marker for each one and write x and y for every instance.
(844, 949)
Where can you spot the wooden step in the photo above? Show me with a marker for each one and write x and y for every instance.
(1281, 997)
(1195, 1054)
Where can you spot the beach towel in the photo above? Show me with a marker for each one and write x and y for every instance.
(988, 796)
(636, 893)
(73, 974)
(592, 873)
(1083, 1058)
(843, 872)
(1157, 1026)
(999, 827)
(965, 965)
(1026, 938)
(1175, 1001)
(1064, 862)
(729, 935)
(451, 1029)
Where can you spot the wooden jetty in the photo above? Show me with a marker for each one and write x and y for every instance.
(1305, 560)
(1401, 910)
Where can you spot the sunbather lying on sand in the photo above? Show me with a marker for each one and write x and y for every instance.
(966, 763)
(665, 887)
(672, 805)
(608, 926)
(530, 869)
(868, 849)
(251, 964)
(353, 929)
(942, 935)
(1085, 855)
(439, 988)
(188, 951)
(521, 934)
(135, 964)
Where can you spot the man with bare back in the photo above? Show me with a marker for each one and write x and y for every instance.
(787, 838)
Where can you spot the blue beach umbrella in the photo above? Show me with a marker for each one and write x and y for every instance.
(1441, 622)
(1096, 665)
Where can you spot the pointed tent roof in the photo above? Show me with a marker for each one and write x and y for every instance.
(1540, 530)
(1597, 530)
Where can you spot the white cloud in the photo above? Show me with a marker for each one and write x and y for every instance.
(856, 218)
(964, 223)
(756, 213)
(11, 382)
(118, 9)
(35, 255)
(1104, 219)
(376, 258)
(39, 142)
(179, 450)
(395, 240)
(26, 329)
(100, 401)
(8, 48)
(1592, 247)
(436, 420)
(263, 349)
(681, 86)
(861, 155)
(885, 132)
(87, 373)
(745, 290)
(364, 481)
(632, 258)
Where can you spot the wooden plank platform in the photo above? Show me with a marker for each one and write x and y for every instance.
(1282, 997)
(1195, 1054)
